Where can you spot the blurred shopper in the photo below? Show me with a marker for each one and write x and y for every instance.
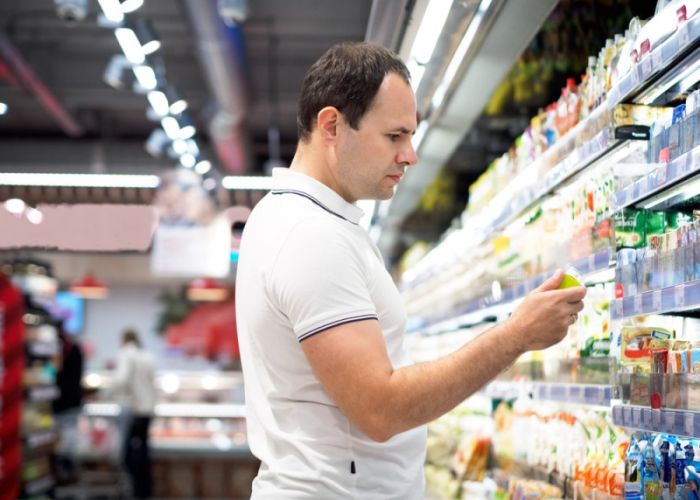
(67, 407)
(135, 381)
(335, 409)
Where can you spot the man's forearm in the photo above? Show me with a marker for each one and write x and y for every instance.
(425, 391)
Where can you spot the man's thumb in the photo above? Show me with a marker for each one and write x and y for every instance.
(551, 283)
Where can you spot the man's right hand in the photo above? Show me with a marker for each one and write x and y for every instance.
(546, 314)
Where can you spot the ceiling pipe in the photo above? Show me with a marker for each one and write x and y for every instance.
(29, 79)
(221, 54)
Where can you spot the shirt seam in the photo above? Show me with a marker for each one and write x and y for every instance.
(313, 200)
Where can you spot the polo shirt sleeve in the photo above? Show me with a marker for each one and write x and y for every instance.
(319, 280)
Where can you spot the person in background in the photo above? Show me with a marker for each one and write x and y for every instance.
(134, 380)
(335, 408)
(66, 408)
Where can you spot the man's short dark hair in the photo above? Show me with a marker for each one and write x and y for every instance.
(347, 76)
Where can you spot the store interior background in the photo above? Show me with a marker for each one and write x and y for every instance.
(239, 65)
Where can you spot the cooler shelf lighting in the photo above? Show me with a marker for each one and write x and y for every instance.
(79, 180)
(262, 183)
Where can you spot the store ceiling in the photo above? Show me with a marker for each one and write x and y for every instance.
(282, 39)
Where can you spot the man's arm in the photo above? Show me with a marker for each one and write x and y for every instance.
(353, 366)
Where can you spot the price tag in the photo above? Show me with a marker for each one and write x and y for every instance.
(661, 173)
(645, 67)
(618, 308)
(679, 296)
(669, 421)
(636, 417)
(656, 60)
(683, 35)
(626, 415)
(689, 424)
(638, 309)
(656, 300)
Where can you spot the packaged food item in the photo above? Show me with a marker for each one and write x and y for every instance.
(638, 342)
(630, 228)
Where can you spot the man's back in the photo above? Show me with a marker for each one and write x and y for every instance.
(305, 266)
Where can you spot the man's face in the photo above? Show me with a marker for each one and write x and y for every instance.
(372, 159)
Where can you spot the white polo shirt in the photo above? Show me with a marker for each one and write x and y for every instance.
(305, 266)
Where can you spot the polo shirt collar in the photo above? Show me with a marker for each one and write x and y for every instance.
(285, 181)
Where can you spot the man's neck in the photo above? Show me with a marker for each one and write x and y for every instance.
(312, 162)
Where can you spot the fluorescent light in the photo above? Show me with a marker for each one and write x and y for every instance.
(128, 6)
(201, 410)
(102, 409)
(79, 180)
(15, 206)
(178, 106)
(130, 45)
(688, 77)
(192, 147)
(430, 27)
(187, 131)
(3, 108)
(34, 216)
(236, 182)
(187, 160)
(202, 167)
(209, 184)
(159, 102)
(180, 147)
(684, 191)
(171, 127)
(146, 77)
(150, 47)
(459, 54)
(112, 10)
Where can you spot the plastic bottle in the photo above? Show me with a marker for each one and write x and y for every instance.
(650, 478)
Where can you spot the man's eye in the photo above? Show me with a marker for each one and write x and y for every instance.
(394, 137)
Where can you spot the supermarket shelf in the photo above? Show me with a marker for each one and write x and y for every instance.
(475, 311)
(676, 298)
(660, 60)
(582, 394)
(42, 393)
(38, 439)
(39, 485)
(678, 422)
(198, 449)
(43, 349)
(662, 178)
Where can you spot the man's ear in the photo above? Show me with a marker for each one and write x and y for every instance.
(327, 122)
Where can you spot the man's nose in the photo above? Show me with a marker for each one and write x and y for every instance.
(408, 155)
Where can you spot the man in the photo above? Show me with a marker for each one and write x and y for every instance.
(135, 380)
(335, 409)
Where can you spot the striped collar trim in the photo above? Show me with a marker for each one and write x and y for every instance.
(285, 181)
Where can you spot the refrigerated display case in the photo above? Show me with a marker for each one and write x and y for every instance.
(615, 198)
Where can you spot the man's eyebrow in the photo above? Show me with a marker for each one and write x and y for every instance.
(404, 130)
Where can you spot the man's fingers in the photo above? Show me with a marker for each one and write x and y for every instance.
(551, 283)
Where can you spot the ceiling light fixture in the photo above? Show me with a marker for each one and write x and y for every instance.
(157, 142)
(112, 10)
(187, 160)
(180, 147)
(460, 53)
(15, 206)
(206, 290)
(130, 45)
(159, 102)
(129, 6)
(428, 34)
(177, 103)
(34, 216)
(115, 71)
(146, 35)
(171, 127)
(146, 77)
(79, 180)
(3, 108)
(202, 167)
(89, 287)
(239, 182)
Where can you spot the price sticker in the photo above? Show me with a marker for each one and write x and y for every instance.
(661, 174)
(638, 308)
(636, 417)
(645, 67)
(626, 415)
(679, 296)
(683, 35)
(669, 421)
(656, 300)
(656, 60)
(689, 424)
